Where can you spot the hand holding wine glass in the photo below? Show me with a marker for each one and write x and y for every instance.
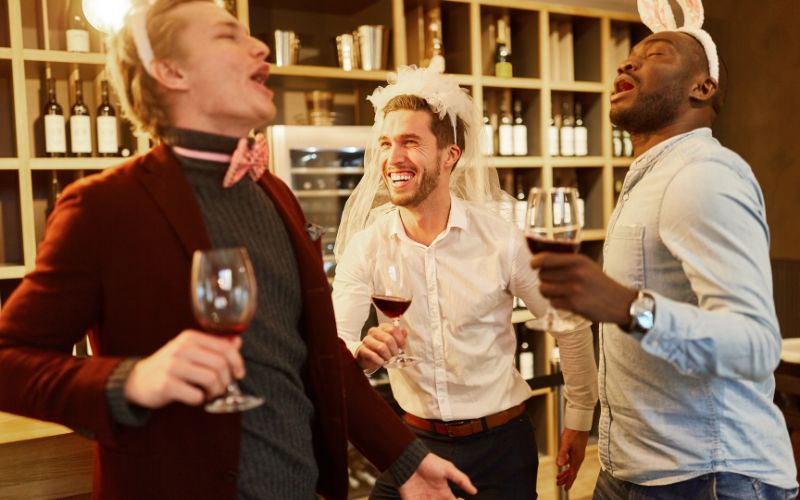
(551, 225)
(391, 294)
(223, 291)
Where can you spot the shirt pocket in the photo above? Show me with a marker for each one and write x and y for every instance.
(625, 255)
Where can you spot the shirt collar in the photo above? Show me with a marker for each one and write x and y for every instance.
(456, 219)
(659, 150)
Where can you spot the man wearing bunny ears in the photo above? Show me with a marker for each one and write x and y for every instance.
(689, 339)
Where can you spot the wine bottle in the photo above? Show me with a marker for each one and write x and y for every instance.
(80, 125)
(581, 133)
(521, 205)
(487, 133)
(552, 137)
(502, 54)
(616, 142)
(627, 144)
(505, 132)
(520, 131)
(77, 28)
(567, 131)
(55, 137)
(55, 192)
(107, 130)
(525, 355)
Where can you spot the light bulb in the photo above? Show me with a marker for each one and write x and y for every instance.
(106, 15)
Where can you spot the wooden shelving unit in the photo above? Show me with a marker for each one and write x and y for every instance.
(32, 45)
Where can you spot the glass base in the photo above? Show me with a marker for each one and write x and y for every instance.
(556, 321)
(233, 403)
(402, 360)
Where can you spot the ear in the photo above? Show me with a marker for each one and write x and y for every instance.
(703, 91)
(693, 13)
(656, 15)
(169, 75)
(453, 155)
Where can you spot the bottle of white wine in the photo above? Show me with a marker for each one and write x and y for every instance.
(567, 131)
(627, 144)
(581, 132)
(520, 131)
(80, 125)
(616, 142)
(552, 137)
(502, 54)
(505, 131)
(487, 133)
(107, 127)
(77, 28)
(55, 137)
(525, 353)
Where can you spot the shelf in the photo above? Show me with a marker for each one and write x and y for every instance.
(8, 272)
(593, 235)
(326, 170)
(62, 56)
(303, 71)
(622, 162)
(577, 161)
(544, 391)
(9, 163)
(511, 83)
(16, 428)
(5, 53)
(75, 163)
(323, 193)
(578, 86)
(516, 161)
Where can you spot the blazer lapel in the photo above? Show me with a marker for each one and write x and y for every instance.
(162, 177)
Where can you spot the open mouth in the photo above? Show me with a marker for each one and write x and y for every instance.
(260, 76)
(623, 85)
(400, 179)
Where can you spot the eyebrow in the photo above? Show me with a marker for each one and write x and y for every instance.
(402, 136)
(231, 25)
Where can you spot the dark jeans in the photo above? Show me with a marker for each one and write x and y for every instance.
(501, 462)
(716, 486)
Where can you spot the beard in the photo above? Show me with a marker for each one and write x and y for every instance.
(650, 111)
(428, 181)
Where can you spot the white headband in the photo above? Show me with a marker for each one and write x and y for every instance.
(137, 21)
(658, 16)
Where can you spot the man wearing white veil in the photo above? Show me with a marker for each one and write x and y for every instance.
(433, 192)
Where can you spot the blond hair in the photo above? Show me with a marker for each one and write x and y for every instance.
(136, 88)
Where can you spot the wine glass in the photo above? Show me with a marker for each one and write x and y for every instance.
(223, 293)
(391, 294)
(551, 225)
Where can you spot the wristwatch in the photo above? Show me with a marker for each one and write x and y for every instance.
(642, 311)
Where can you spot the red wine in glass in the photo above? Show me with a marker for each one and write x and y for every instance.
(223, 293)
(390, 305)
(538, 244)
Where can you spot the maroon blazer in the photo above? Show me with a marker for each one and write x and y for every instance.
(116, 259)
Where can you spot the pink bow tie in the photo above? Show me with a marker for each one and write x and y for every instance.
(245, 159)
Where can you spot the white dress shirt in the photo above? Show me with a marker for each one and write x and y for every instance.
(459, 321)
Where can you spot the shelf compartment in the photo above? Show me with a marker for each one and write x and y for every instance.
(624, 35)
(350, 103)
(9, 281)
(42, 189)
(10, 220)
(575, 48)
(524, 42)
(455, 33)
(593, 119)
(317, 26)
(531, 100)
(8, 136)
(5, 35)
(54, 15)
(64, 76)
(589, 182)
(618, 180)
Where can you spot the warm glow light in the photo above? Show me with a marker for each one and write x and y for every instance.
(106, 15)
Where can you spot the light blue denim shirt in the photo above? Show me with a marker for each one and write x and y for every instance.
(693, 395)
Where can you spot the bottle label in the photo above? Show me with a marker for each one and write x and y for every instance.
(520, 140)
(107, 135)
(552, 140)
(627, 145)
(503, 70)
(526, 365)
(80, 133)
(506, 136)
(581, 141)
(55, 136)
(617, 147)
(567, 141)
(77, 40)
(487, 140)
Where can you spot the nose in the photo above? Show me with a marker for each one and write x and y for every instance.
(628, 65)
(396, 155)
(259, 49)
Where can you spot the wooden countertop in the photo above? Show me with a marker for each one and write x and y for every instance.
(14, 428)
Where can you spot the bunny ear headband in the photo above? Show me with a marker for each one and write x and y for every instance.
(657, 15)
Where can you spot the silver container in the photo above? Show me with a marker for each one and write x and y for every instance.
(347, 49)
(287, 45)
(373, 45)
